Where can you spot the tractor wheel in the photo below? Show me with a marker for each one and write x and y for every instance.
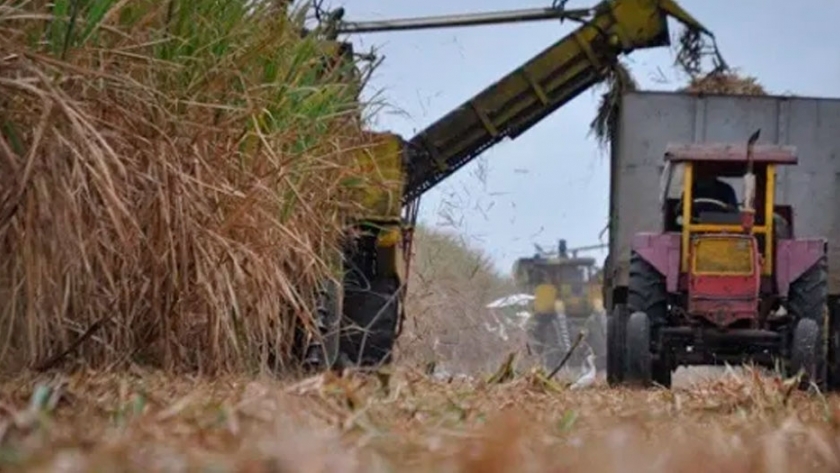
(638, 360)
(616, 345)
(806, 352)
(371, 320)
(808, 299)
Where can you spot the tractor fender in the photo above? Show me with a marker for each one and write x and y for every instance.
(794, 258)
(662, 251)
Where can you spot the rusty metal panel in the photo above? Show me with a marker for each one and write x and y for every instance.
(779, 154)
(649, 121)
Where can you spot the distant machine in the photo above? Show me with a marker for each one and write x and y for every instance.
(567, 299)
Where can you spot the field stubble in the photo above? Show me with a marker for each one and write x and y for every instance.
(406, 421)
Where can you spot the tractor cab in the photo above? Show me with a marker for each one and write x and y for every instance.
(725, 189)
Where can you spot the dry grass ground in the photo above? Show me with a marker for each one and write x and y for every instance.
(405, 421)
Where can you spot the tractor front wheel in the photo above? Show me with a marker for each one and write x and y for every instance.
(806, 352)
(638, 361)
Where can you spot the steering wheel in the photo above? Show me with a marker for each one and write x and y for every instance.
(703, 200)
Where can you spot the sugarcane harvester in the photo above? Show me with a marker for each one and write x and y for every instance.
(723, 281)
(567, 303)
(365, 306)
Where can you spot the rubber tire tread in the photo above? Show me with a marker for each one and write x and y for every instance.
(805, 351)
(638, 362)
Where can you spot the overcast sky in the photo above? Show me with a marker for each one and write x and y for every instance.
(552, 182)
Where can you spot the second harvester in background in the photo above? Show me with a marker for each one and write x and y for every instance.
(567, 301)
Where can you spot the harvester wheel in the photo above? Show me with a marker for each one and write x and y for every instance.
(371, 319)
(806, 352)
(320, 350)
(638, 360)
(329, 313)
(808, 300)
(616, 345)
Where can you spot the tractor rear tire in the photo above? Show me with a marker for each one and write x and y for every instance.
(616, 346)
(371, 318)
(808, 300)
(638, 361)
(646, 290)
(807, 352)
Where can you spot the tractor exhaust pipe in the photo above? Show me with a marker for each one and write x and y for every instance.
(748, 210)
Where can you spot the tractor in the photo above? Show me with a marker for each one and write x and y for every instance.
(725, 281)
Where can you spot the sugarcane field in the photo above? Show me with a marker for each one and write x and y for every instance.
(377, 236)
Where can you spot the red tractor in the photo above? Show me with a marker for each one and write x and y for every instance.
(725, 281)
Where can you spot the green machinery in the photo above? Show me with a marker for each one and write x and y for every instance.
(361, 309)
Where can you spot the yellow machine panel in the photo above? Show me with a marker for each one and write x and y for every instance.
(381, 175)
(544, 297)
(720, 254)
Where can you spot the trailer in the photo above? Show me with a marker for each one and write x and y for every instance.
(652, 122)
